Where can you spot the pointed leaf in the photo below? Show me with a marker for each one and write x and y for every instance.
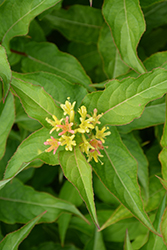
(127, 244)
(154, 241)
(127, 24)
(18, 16)
(113, 64)
(37, 103)
(119, 175)
(7, 116)
(163, 182)
(59, 63)
(77, 23)
(119, 214)
(20, 203)
(13, 240)
(63, 224)
(30, 149)
(79, 173)
(5, 72)
(123, 101)
(147, 119)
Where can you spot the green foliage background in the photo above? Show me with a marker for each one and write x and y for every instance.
(113, 57)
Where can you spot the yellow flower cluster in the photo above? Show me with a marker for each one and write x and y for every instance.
(92, 138)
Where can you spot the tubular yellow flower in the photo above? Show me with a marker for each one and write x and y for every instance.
(54, 123)
(100, 134)
(83, 112)
(96, 117)
(54, 144)
(68, 141)
(85, 125)
(66, 127)
(95, 155)
(85, 145)
(68, 109)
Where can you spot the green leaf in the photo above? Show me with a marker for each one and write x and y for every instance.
(30, 149)
(155, 15)
(119, 214)
(135, 149)
(69, 193)
(59, 63)
(96, 243)
(116, 232)
(112, 62)
(37, 103)
(119, 175)
(63, 223)
(87, 54)
(18, 16)
(163, 154)
(7, 116)
(127, 244)
(146, 3)
(123, 101)
(148, 118)
(163, 182)
(20, 203)
(5, 72)
(154, 241)
(79, 173)
(127, 24)
(23, 120)
(163, 227)
(13, 240)
(58, 87)
(78, 23)
(156, 194)
(102, 193)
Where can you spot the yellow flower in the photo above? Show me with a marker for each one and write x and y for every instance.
(68, 141)
(83, 112)
(100, 134)
(54, 144)
(54, 123)
(68, 109)
(96, 117)
(95, 155)
(85, 125)
(85, 145)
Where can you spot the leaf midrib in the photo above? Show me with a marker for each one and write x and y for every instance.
(59, 70)
(85, 186)
(135, 95)
(76, 22)
(29, 96)
(141, 215)
(35, 203)
(21, 19)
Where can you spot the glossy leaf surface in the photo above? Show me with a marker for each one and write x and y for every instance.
(19, 14)
(79, 173)
(27, 203)
(127, 24)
